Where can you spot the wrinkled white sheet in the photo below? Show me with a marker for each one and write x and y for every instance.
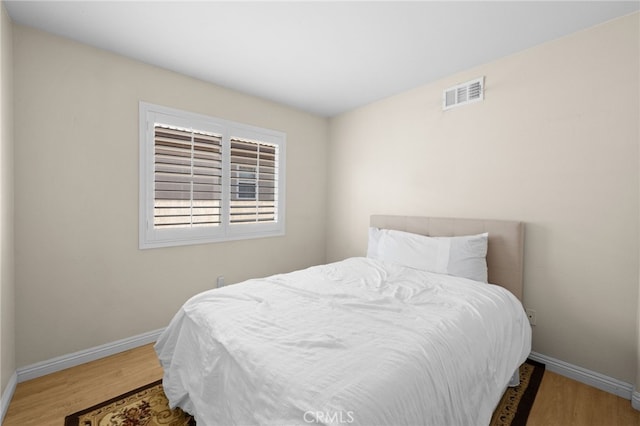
(358, 342)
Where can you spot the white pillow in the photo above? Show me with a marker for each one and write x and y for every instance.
(463, 256)
(468, 256)
(413, 250)
(375, 235)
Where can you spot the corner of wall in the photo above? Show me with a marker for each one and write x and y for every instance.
(7, 394)
(7, 277)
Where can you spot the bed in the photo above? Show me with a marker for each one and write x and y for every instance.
(365, 341)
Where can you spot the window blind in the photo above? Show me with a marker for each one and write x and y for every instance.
(187, 177)
(254, 182)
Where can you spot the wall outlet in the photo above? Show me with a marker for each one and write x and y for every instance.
(531, 314)
(220, 281)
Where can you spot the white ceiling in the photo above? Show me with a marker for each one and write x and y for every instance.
(321, 57)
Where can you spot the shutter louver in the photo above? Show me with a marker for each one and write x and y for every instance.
(187, 178)
(254, 184)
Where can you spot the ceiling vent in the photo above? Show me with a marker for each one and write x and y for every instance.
(465, 93)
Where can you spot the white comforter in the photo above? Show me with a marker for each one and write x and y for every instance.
(357, 342)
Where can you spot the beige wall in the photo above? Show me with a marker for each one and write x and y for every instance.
(81, 280)
(554, 144)
(7, 290)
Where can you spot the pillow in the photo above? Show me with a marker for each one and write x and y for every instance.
(468, 256)
(408, 249)
(462, 256)
(374, 242)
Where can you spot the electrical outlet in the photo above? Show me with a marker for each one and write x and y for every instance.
(220, 281)
(531, 314)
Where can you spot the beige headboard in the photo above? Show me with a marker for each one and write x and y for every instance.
(505, 260)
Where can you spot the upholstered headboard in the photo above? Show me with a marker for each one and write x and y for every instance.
(505, 256)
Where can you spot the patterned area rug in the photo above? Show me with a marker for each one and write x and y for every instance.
(148, 406)
(516, 403)
(145, 406)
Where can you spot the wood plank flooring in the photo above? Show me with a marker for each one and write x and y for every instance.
(47, 400)
(562, 401)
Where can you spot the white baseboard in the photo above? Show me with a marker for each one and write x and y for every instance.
(7, 395)
(77, 358)
(635, 399)
(588, 377)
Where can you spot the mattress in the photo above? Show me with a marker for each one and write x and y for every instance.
(359, 342)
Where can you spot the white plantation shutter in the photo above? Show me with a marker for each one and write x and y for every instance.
(198, 184)
(187, 177)
(254, 182)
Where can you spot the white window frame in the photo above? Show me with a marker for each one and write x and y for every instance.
(149, 236)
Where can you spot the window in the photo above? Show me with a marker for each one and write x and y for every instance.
(204, 179)
(246, 184)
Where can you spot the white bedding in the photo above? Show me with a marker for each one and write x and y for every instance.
(358, 342)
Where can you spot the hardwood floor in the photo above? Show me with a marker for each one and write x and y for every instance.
(47, 400)
(562, 401)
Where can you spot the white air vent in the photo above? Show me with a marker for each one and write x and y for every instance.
(465, 93)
